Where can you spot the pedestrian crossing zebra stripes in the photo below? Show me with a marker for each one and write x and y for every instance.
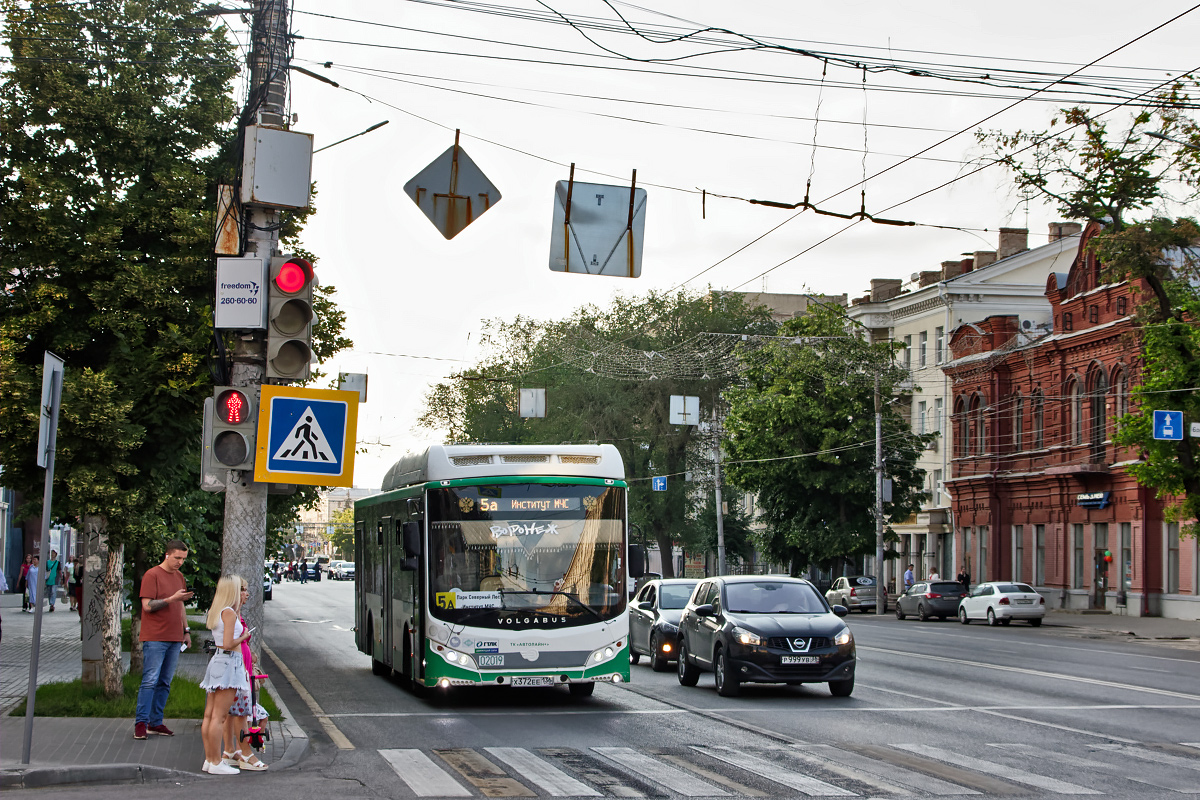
(813, 770)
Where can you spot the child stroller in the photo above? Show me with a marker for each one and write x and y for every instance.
(258, 733)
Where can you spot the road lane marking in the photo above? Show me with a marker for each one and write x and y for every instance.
(550, 778)
(772, 771)
(1039, 673)
(331, 730)
(675, 780)
(482, 773)
(890, 772)
(739, 789)
(999, 770)
(1155, 756)
(591, 770)
(1185, 786)
(985, 784)
(514, 713)
(840, 711)
(424, 777)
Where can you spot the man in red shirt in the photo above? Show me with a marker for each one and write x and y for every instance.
(164, 628)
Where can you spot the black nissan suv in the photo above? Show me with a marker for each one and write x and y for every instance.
(764, 629)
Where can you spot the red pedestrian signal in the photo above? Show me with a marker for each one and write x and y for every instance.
(232, 407)
(235, 427)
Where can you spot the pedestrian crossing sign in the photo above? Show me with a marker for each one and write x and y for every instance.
(306, 436)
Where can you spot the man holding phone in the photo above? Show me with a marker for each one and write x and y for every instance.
(164, 634)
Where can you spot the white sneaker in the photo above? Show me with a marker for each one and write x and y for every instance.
(230, 759)
(222, 769)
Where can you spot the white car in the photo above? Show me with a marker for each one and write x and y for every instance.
(1000, 602)
(343, 571)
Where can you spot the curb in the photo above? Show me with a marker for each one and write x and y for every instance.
(297, 747)
(41, 777)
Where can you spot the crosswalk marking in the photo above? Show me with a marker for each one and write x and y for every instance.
(589, 770)
(1156, 756)
(999, 770)
(908, 779)
(483, 774)
(550, 778)
(425, 778)
(739, 789)
(774, 772)
(1183, 786)
(676, 780)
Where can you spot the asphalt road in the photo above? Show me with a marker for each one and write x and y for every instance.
(939, 710)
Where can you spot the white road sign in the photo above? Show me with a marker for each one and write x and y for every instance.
(592, 231)
(241, 294)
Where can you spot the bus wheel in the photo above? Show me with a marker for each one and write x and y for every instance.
(581, 689)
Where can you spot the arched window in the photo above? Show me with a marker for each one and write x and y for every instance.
(1097, 411)
(1018, 421)
(980, 443)
(1038, 404)
(1120, 386)
(962, 428)
(1074, 413)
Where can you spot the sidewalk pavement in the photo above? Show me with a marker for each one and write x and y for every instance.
(68, 750)
(1160, 631)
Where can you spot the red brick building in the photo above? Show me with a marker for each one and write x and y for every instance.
(1039, 490)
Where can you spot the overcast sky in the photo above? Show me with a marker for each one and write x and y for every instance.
(531, 96)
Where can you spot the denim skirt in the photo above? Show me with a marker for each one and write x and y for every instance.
(225, 671)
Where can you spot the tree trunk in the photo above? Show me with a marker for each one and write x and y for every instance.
(666, 552)
(114, 574)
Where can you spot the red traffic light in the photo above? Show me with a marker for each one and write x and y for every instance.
(232, 407)
(294, 275)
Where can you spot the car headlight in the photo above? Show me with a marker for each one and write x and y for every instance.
(843, 637)
(743, 636)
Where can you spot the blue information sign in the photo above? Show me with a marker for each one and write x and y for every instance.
(1168, 425)
(658, 484)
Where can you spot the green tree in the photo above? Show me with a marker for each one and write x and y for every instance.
(343, 533)
(608, 374)
(801, 434)
(1122, 180)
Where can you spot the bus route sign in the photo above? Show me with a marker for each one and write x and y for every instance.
(306, 436)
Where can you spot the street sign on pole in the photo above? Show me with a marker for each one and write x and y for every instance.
(51, 365)
(306, 436)
(684, 410)
(658, 484)
(1168, 425)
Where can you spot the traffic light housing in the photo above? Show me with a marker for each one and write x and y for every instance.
(234, 427)
(289, 318)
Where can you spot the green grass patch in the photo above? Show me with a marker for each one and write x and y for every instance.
(73, 699)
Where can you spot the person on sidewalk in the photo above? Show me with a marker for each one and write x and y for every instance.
(225, 674)
(164, 629)
(303, 570)
(909, 578)
(236, 750)
(52, 568)
(31, 584)
(22, 584)
(964, 578)
(75, 586)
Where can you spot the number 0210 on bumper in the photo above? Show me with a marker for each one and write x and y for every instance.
(533, 680)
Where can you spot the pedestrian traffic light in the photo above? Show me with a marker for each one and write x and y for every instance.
(235, 426)
(289, 318)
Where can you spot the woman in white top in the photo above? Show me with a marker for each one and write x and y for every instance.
(225, 674)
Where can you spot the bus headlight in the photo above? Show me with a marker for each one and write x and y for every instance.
(461, 659)
(605, 653)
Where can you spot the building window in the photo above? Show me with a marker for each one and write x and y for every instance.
(961, 418)
(922, 346)
(1093, 314)
(1122, 306)
(1120, 397)
(1039, 555)
(937, 414)
(1075, 413)
(980, 443)
(1098, 400)
(967, 552)
(937, 489)
(1039, 421)
(920, 420)
(907, 355)
(939, 344)
(1068, 323)
(1172, 547)
(983, 552)
(1018, 534)
(1018, 423)
(1077, 578)
(1126, 555)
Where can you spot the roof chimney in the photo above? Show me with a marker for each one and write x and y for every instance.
(884, 289)
(1061, 230)
(984, 257)
(951, 269)
(1012, 241)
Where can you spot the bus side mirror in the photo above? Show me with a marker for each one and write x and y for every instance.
(411, 531)
(637, 561)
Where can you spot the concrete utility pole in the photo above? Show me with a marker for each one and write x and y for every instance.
(880, 591)
(245, 536)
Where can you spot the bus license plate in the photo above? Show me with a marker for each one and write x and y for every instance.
(533, 680)
(799, 660)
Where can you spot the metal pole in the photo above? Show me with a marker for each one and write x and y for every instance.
(47, 497)
(880, 591)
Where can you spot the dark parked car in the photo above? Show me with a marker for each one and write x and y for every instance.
(654, 621)
(931, 599)
(747, 628)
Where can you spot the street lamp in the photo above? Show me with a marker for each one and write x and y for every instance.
(1188, 145)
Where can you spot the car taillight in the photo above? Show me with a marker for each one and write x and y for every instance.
(1041, 601)
(1004, 601)
(854, 593)
(931, 595)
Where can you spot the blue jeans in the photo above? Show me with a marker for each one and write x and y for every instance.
(158, 668)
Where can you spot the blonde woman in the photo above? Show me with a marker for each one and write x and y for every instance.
(226, 674)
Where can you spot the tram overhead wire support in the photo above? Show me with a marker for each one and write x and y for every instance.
(289, 319)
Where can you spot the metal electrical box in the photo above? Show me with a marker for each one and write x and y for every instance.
(276, 167)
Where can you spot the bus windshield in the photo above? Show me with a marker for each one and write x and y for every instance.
(516, 555)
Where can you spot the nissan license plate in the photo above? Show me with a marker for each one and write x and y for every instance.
(533, 680)
(799, 659)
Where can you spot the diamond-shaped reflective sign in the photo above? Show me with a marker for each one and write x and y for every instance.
(598, 237)
(452, 191)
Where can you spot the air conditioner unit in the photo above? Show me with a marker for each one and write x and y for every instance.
(1026, 324)
(932, 446)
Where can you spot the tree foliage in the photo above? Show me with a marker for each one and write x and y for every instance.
(801, 434)
(480, 404)
(1126, 181)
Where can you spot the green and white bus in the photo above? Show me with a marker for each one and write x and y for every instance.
(496, 565)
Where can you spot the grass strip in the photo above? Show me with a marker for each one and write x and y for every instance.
(74, 699)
